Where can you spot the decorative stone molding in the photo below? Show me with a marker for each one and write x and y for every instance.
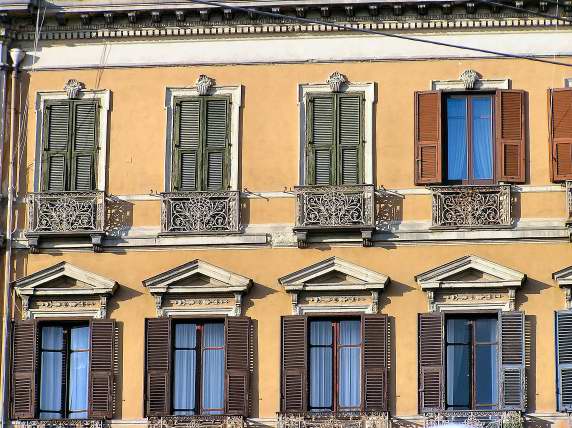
(563, 278)
(198, 287)
(64, 290)
(334, 285)
(470, 282)
(336, 81)
(72, 88)
(469, 78)
(204, 84)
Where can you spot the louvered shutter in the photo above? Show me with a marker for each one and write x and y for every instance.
(560, 119)
(84, 147)
(564, 360)
(216, 143)
(350, 137)
(320, 140)
(510, 131)
(102, 369)
(158, 365)
(428, 137)
(294, 363)
(431, 362)
(238, 362)
(24, 363)
(186, 138)
(513, 391)
(375, 358)
(56, 136)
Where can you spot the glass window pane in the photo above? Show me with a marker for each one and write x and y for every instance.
(321, 373)
(456, 138)
(458, 378)
(52, 338)
(213, 381)
(486, 330)
(482, 137)
(457, 330)
(350, 332)
(321, 333)
(486, 375)
(213, 335)
(51, 384)
(79, 338)
(350, 377)
(185, 335)
(78, 375)
(184, 382)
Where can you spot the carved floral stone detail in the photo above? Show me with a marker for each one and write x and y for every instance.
(52, 304)
(199, 302)
(336, 81)
(73, 87)
(469, 78)
(204, 84)
(335, 299)
(461, 297)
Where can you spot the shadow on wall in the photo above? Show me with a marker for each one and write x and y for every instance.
(530, 361)
(119, 216)
(388, 210)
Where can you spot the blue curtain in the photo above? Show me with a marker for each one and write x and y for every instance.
(456, 138)
(51, 372)
(184, 400)
(213, 368)
(482, 137)
(349, 369)
(486, 363)
(78, 372)
(321, 369)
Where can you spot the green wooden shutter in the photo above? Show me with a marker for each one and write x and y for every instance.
(564, 359)
(84, 149)
(513, 382)
(350, 137)
(216, 132)
(186, 148)
(56, 136)
(320, 138)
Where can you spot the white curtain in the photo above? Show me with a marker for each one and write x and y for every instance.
(213, 368)
(321, 369)
(184, 400)
(51, 372)
(78, 372)
(349, 367)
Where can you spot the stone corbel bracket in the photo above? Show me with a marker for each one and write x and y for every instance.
(563, 278)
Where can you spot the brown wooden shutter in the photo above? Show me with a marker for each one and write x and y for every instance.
(513, 390)
(511, 136)
(294, 363)
(157, 365)
(24, 361)
(560, 123)
(101, 369)
(428, 134)
(375, 358)
(238, 358)
(431, 362)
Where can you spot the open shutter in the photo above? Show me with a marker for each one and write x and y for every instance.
(428, 147)
(158, 362)
(101, 369)
(320, 148)
(375, 358)
(84, 148)
(564, 360)
(24, 348)
(513, 391)
(238, 356)
(56, 136)
(510, 130)
(186, 137)
(216, 143)
(431, 362)
(350, 138)
(294, 363)
(560, 119)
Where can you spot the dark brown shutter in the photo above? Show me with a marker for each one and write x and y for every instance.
(157, 364)
(513, 391)
(24, 348)
(428, 147)
(375, 357)
(238, 358)
(294, 363)
(511, 135)
(560, 121)
(431, 371)
(101, 369)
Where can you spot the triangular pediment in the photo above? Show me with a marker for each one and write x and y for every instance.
(470, 271)
(563, 277)
(334, 274)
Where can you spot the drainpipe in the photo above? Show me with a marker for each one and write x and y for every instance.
(4, 90)
(17, 56)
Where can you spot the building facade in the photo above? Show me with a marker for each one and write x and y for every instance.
(273, 214)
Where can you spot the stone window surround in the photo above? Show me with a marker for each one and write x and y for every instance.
(563, 278)
(480, 84)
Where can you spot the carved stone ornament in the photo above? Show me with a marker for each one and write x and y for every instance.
(336, 81)
(73, 87)
(204, 84)
(469, 78)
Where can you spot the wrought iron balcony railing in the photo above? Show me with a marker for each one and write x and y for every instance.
(323, 208)
(66, 213)
(471, 207)
(198, 421)
(200, 212)
(334, 420)
(474, 419)
(59, 423)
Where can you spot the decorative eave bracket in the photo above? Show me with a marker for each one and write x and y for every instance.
(563, 278)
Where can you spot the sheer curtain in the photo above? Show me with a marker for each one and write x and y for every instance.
(51, 372)
(456, 138)
(321, 369)
(458, 369)
(482, 137)
(349, 370)
(184, 379)
(213, 368)
(486, 363)
(78, 372)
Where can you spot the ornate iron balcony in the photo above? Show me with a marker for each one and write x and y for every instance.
(200, 212)
(333, 420)
(66, 213)
(471, 207)
(334, 208)
(474, 419)
(59, 423)
(198, 421)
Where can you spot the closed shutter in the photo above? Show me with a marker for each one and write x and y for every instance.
(238, 361)
(513, 391)
(560, 120)
(320, 140)
(564, 360)
(56, 136)
(350, 138)
(158, 362)
(431, 362)
(428, 137)
(216, 143)
(375, 358)
(187, 144)
(24, 363)
(84, 149)
(294, 363)
(101, 369)
(510, 130)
